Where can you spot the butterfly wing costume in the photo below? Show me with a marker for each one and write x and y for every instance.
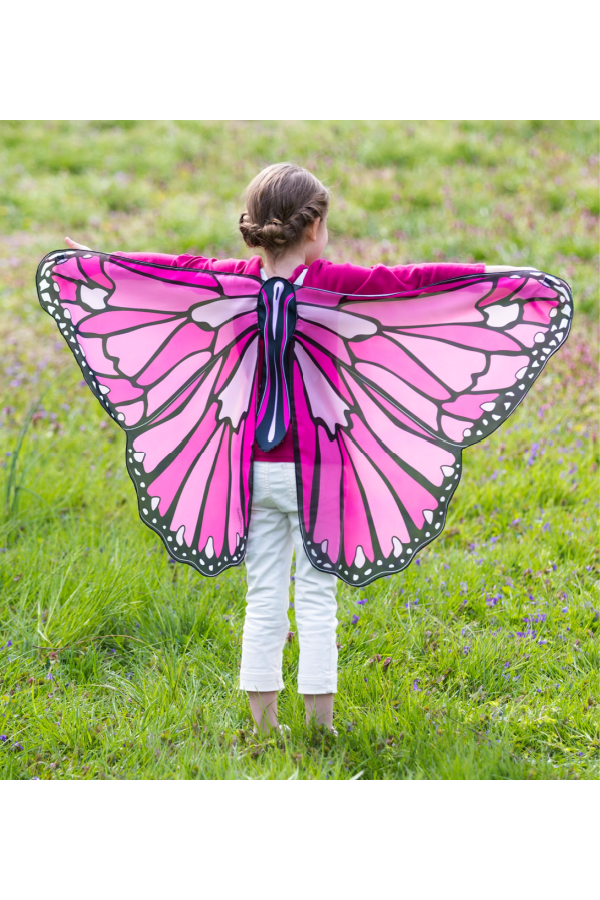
(382, 393)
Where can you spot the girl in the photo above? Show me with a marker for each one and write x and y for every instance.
(286, 217)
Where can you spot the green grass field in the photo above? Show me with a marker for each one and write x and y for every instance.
(479, 661)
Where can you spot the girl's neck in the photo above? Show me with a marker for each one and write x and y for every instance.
(284, 266)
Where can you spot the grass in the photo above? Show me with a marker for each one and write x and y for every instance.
(481, 660)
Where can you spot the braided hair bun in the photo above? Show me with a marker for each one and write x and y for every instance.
(281, 202)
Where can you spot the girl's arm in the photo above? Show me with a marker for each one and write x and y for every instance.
(507, 268)
(165, 259)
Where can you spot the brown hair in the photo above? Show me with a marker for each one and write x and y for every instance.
(281, 202)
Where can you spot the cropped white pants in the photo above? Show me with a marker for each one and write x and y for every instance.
(273, 536)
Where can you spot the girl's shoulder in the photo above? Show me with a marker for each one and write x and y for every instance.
(348, 278)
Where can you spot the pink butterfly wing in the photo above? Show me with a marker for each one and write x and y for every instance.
(382, 404)
(458, 358)
(171, 354)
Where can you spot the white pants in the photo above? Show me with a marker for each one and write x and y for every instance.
(274, 534)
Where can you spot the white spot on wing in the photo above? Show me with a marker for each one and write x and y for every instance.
(498, 316)
(95, 298)
(209, 549)
(359, 559)
(397, 547)
(428, 515)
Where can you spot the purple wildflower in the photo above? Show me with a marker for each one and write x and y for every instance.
(529, 633)
(546, 526)
(354, 620)
(416, 685)
(362, 602)
(3, 738)
(565, 609)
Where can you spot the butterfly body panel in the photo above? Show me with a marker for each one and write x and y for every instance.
(383, 393)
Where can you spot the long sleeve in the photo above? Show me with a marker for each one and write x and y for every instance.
(187, 261)
(350, 279)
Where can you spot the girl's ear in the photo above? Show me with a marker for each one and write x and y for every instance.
(312, 229)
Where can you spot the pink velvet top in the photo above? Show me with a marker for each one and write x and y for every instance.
(345, 279)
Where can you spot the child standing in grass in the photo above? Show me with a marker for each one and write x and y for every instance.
(286, 218)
